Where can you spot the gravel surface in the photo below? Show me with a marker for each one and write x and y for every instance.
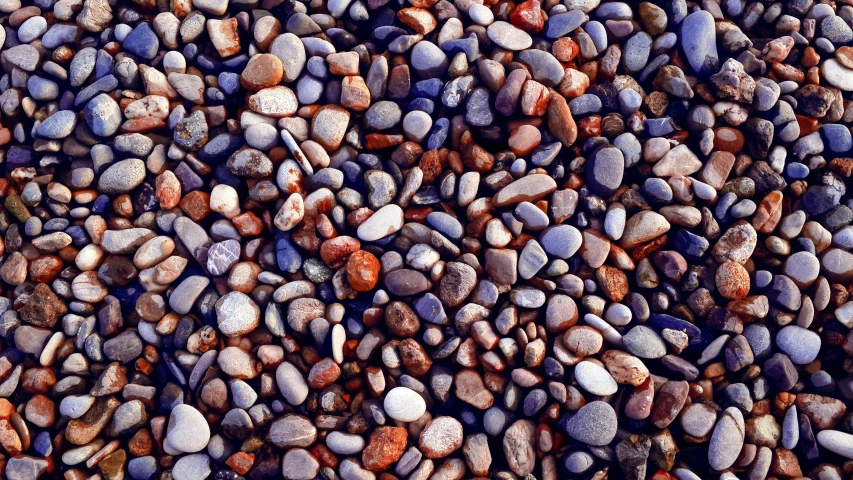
(427, 240)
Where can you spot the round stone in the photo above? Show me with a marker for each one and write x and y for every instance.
(188, 430)
(644, 342)
(237, 314)
(801, 345)
(404, 405)
(291, 383)
(594, 424)
(595, 379)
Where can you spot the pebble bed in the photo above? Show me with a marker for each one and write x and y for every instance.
(426, 239)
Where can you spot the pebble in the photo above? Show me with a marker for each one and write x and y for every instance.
(385, 221)
(187, 430)
(440, 437)
(700, 43)
(237, 314)
(404, 405)
(836, 442)
(594, 424)
(192, 466)
(726, 439)
(507, 36)
(595, 379)
(801, 345)
(644, 342)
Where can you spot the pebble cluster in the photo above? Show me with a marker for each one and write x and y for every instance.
(426, 239)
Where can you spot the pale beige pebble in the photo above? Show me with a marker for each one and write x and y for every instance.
(681, 215)
(51, 242)
(291, 213)
(275, 102)
(238, 363)
(156, 106)
(300, 464)
(244, 276)
(385, 221)
(169, 269)
(519, 448)
(146, 280)
(528, 188)
(655, 148)
(95, 15)
(355, 95)
(297, 127)
(225, 200)
(329, 126)
(237, 314)
(574, 83)
(249, 118)
(678, 161)
(316, 154)
(166, 25)
(87, 287)
(732, 113)
(497, 235)
(95, 227)
(343, 63)
(583, 340)
(191, 87)
(174, 61)
(265, 30)
(736, 244)
(643, 227)
(153, 252)
(59, 192)
(440, 437)
(215, 7)
(625, 368)
(51, 349)
(477, 454)
(155, 82)
(818, 234)
(187, 430)
(469, 183)
(89, 257)
(224, 35)
(156, 161)
(595, 248)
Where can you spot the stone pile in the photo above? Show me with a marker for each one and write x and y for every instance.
(426, 239)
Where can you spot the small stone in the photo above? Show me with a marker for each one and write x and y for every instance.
(404, 404)
(440, 437)
(237, 314)
(595, 379)
(188, 431)
(726, 440)
(594, 424)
